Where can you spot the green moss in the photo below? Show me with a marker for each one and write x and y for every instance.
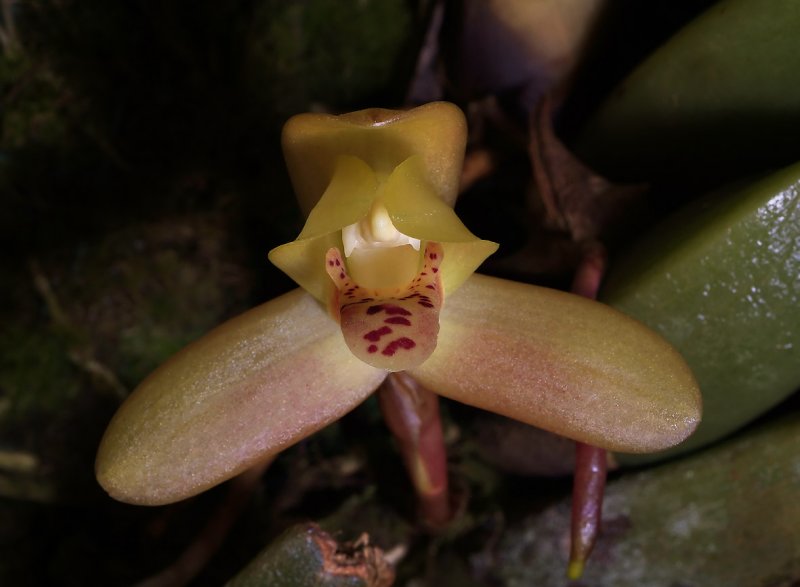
(36, 375)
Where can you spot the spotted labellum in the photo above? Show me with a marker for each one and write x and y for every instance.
(387, 284)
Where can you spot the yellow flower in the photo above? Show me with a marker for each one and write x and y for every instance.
(382, 245)
(380, 252)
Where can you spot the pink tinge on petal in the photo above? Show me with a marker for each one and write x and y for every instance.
(392, 330)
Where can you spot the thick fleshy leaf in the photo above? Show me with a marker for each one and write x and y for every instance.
(563, 363)
(720, 99)
(313, 143)
(245, 391)
(721, 281)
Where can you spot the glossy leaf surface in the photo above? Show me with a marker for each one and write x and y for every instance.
(562, 363)
(246, 390)
(721, 281)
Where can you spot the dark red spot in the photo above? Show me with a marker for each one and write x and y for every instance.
(389, 309)
(395, 345)
(431, 286)
(433, 255)
(330, 263)
(423, 273)
(375, 335)
(425, 304)
(338, 263)
(435, 270)
(398, 320)
(342, 275)
(372, 348)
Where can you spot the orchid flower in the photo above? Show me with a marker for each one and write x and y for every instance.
(387, 280)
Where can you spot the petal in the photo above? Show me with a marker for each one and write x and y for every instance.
(437, 132)
(304, 261)
(390, 330)
(245, 391)
(409, 160)
(562, 363)
(346, 200)
(415, 208)
(417, 211)
(462, 260)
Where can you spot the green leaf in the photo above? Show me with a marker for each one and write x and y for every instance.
(720, 96)
(721, 282)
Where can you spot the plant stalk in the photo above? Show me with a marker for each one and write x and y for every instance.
(590, 461)
(412, 414)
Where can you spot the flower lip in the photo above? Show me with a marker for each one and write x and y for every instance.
(395, 326)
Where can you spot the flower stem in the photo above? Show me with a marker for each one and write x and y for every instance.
(412, 414)
(590, 461)
(590, 271)
(587, 504)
